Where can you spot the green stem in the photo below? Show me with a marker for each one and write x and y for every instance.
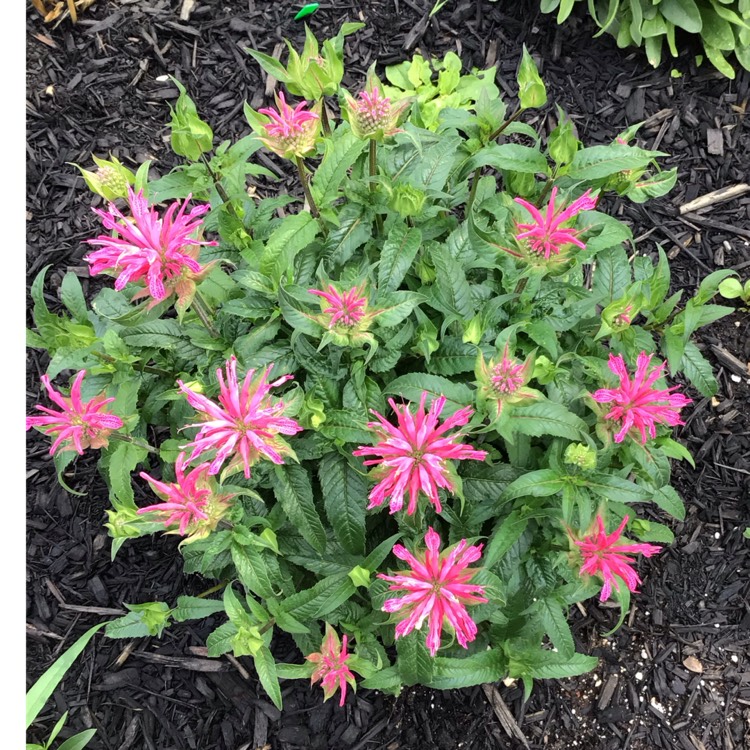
(219, 187)
(324, 118)
(513, 117)
(202, 310)
(306, 187)
(267, 626)
(134, 441)
(473, 192)
(373, 174)
(144, 368)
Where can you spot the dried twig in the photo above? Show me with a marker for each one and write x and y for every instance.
(505, 717)
(715, 196)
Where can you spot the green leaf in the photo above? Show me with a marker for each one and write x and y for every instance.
(698, 370)
(551, 665)
(399, 250)
(668, 500)
(43, 688)
(292, 235)
(414, 661)
(149, 618)
(78, 741)
(252, 570)
(271, 65)
(547, 418)
(411, 386)
(509, 156)
(196, 608)
(616, 488)
(341, 153)
(717, 32)
(486, 666)
(540, 483)
(158, 334)
(505, 535)
(556, 626)
(122, 462)
(72, 297)
(291, 484)
(345, 498)
(682, 13)
(353, 231)
(452, 288)
(316, 602)
(599, 162)
(265, 666)
(220, 640)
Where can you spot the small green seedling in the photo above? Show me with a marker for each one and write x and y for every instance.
(734, 288)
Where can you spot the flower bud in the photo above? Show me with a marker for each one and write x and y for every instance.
(578, 454)
(407, 201)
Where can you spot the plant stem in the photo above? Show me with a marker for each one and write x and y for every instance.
(267, 626)
(374, 173)
(473, 192)
(324, 118)
(306, 187)
(513, 117)
(144, 368)
(134, 441)
(219, 187)
(203, 312)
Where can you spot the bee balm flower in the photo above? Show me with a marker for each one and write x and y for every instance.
(344, 309)
(290, 132)
(161, 250)
(80, 424)
(372, 115)
(636, 404)
(546, 236)
(438, 591)
(414, 455)
(191, 501)
(504, 381)
(246, 423)
(330, 666)
(603, 557)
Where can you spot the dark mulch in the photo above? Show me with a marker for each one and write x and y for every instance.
(677, 675)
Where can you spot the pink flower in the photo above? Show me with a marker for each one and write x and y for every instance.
(246, 422)
(546, 235)
(637, 404)
(291, 132)
(80, 424)
(508, 375)
(604, 558)
(184, 500)
(413, 455)
(347, 308)
(331, 666)
(438, 589)
(161, 250)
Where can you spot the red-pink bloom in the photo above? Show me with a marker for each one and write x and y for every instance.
(546, 236)
(603, 557)
(347, 308)
(438, 590)
(331, 666)
(291, 132)
(414, 454)
(185, 500)
(246, 422)
(508, 375)
(161, 250)
(637, 404)
(80, 424)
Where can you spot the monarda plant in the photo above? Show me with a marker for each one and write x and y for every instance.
(409, 415)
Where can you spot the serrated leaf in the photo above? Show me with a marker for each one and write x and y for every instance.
(72, 297)
(252, 570)
(122, 462)
(322, 598)
(398, 253)
(599, 162)
(345, 498)
(291, 484)
(486, 666)
(612, 274)
(540, 483)
(505, 535)
(556, 626)
(410, 387)
(698, 370)
(668, 500)
(616, 488)
(158, 334)
(292, 235)
(551, 665)
(547, 418)
(195, 608)
(414, 662)
(220, 640)
(341, 153)
(265, 666)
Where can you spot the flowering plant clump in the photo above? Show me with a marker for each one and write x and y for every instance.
(431, 321)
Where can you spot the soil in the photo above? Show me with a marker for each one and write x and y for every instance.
(676, 675)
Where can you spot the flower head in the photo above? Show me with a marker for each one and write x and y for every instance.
(191, 501)
(331, 666)
(504, 381)
(290, 132)
(372, 115)
(546, 235)
(413, 455)
(438, 590)
(636, 404)
(603, 557)
(161, 250)
(246, 423)
(345, 309)
(80, 424)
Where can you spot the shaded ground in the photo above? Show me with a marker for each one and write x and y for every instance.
(96, 87)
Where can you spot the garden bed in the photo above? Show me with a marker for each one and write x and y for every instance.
(100, 86)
